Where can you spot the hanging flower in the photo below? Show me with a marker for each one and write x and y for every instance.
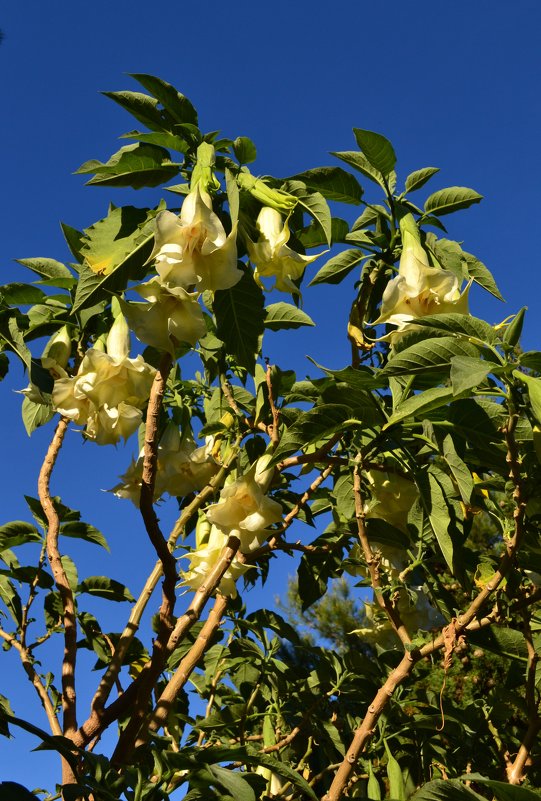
(181, 468)
(272, 256)
(392, 497)
(172, 315)
(245, 510)
(419, 289)
(193, 249)
(109, 389)
(204, 559)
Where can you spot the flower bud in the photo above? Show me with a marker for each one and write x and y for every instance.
(57, 350)
(118, 340)
(275, 198)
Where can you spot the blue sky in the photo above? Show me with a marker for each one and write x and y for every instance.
(453, 85)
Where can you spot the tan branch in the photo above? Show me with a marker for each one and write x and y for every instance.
(66, 595)
(274, 429)
(516, 772)
(187, 665)
(402, 671)
(30, 670)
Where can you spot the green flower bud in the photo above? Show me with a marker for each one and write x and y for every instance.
(275, 198)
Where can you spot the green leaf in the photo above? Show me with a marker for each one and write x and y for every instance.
(534, 392)
(461, 324)
(397, 789)
(377, 149)
(19, 294)
(435, 506)
(162, 139)
(138, 165)
(84, 531)
(10, 597)
(105, 587)
(123, 259)
(429, 354)
(334, 183)
(503, 791)
(18, 532)
(35, 414)
(312, 236)
(74, 240)
(109, 241)
(459, 470)
(48, 268)
(468, 372)
(240, 319)
(445, 790)
(359, 162)
(418, 178)
(311, 426)
(421, 404)
(244, 149)
(142, 107)
(445, 201)
(176, 104)
(233, 782)
(481, 275)
(70, 570)
(4, 365)
(338, 267)
(285, 315)
(314, 203)
(503, 641)
(13, 791)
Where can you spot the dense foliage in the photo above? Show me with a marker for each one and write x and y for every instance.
(416, 467)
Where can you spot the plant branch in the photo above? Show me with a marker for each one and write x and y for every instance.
(69, 697)
(463, 621)
(187, 665)
(516, 772)
(274, 431)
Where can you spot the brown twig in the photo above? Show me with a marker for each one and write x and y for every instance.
(383, 601)
(187, 665)
(274, 429)
(410, 658)
(318, 455)
(69, 698)
(28, 665)
(149, 674)
(288, 738)
(517, 770)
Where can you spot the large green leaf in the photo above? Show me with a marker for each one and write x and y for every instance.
(468, 372)
(338, 267)
(421, 404)
(113, 259)
(434, 503)
(445, 790)
(334, 183)
(359, 162)
(11, 598)
(135, 165)
(418, 178)
(84, 531)
(503, 641)
(240, 319)
(244, 149)
(314, 204)
(462, 324)
(445, 201)
(377, 149)
(35, 414)
(534, 392)
(105, 587)
(143, 108)
(481, 275)
(312, 236)
(232, 782)
(175, 104)
(311, 426)
(285, 315)
(429, 354)
(17, 532)
(48, 268)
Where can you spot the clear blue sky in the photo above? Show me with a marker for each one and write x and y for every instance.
(453, 85)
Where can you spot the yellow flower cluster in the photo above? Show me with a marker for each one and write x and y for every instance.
(109, 390)
(243, 510)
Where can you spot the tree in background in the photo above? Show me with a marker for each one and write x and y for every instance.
(157, 329)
